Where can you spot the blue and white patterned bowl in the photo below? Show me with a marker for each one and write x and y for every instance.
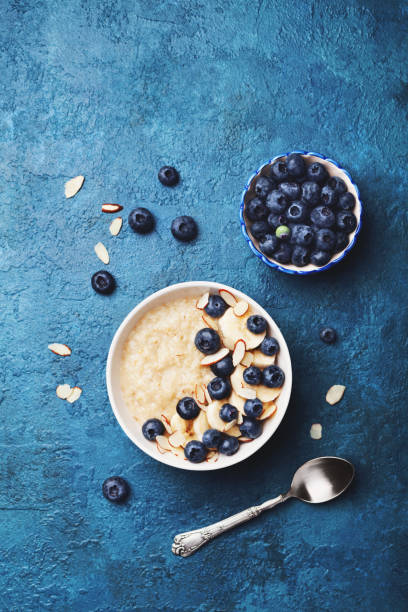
(334, 169)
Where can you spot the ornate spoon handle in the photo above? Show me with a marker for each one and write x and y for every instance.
(185, 544)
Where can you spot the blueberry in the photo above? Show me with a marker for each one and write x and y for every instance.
(216, 306)
(279, 171)
(251, 428)
(328, 335)
(283, 254)
(263, 186)
(300, 256)
(322, 216)
(317, 172)
(328, 196)
(269, 346)
(103, 282)
(268, 244)
(212, 438)
(229, 445)
(141, 220)
(297, 212)
(346, 221)
(311, 193)
(184, 228)
(228, 413)
(325, 240)
(168, 176)
(224, 367)
(337, 184)
(342, 241)
(320, 258)
(303, 235)
(259, 229)
(256, 210)
(295, 164)
(195, 451)
(276, 202)
(290, 190)
(256, 324)
(219, 388)
(252, 375)
(276, 219)
(253, 408)
(152, 428)
(283, 232)
(115, 489)
(273, 376)
(187, 408)
(346, 201)
(207, 341)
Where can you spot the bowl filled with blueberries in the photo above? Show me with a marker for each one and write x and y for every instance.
(300, 212)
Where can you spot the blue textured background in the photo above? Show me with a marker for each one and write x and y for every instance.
(113, 90)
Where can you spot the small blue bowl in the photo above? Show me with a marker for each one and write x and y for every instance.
(334, 169)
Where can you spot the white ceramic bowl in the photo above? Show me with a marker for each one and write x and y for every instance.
(133, 429)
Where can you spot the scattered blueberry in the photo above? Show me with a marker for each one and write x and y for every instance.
(279, 171)
(320, 258)
(229, 445)
(103, 282)
(346, 201)
(251, 428)
(187, 408)
(317, 172)
(259, 229)
(328, 196)
(276, 202)
(325, 240)
(263, 186)
(342, 241)
(322, 216)
(346, 221)
(296, 212)
(168, 176)
(253, 408)
(195, 451)
(256, 324)
(269, 346)
(283, 254)
(303, 235)
(275, 220)
(273, 376)
(152, 428)
(224, 367)
(300, 256)
(268, 244)
(219, 388)
(295, 164)
(252, 375)
(256, 210)
(328, 335)
(216, 306)
(290, 190)
(283, 232)
(207, 341)
(141, 220)
(311, 193)
(337, 184)
(228, 413)
(184, 228)
(115, 489)
(212, 438)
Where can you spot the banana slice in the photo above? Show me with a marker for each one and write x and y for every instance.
(237, 380)
(237, 401)
(265, 394)
(213, 415)
(233, 328)
(268, 411)
(200, 425)
(179, 424)
(234, 431)
(260, 360)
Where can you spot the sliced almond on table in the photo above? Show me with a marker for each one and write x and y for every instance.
(228, 297)
(60, 349)
(268, 411)
(116, 226)
(74, 394)
(176, 439)
(239, 352)
(247, 359)
(334, 394)
(210, 359)
(230, 425)
(63, 391)
(101, 252)
(240, 308)
(111, 208)
(163, 442)
(316, 431)
(203, 301)
(73, 186)
(246, 392)
(166, 423)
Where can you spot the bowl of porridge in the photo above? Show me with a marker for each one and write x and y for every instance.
(199, 376)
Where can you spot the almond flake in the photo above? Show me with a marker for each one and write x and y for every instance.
(246, 393)
(74, 395)
(73, 186)
(176, 439)
(101, 252)
(60, 349)
(210, 359)
(203, 301)
(243, 439)
(166, 423)
(247, 359)
(227, 296)
(334, 394)
(111, 208)
(200, 395)
(240, 308)
(207, 394)
(316, 431)
(63, 391)
(239, 352)
(116, 226)
(212, 324)
(163, 443)
(228, 426)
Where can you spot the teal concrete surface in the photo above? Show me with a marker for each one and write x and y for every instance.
(114, 90)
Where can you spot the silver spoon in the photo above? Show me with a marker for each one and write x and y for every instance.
(316, 481)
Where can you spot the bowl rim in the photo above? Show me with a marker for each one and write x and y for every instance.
(282, 267)
(152, 452)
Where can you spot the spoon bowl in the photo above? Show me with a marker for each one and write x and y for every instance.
(321, 479)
